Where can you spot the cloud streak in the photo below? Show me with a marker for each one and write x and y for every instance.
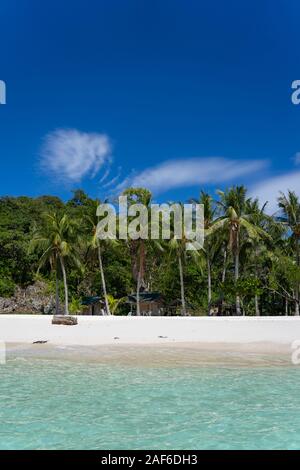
(268, 190)
(69, 155)
(174, 174)
(297, 158)
(113, 181)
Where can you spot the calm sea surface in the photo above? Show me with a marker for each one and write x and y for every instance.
(62, 404)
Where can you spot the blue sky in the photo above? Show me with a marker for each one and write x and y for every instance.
(176, 95)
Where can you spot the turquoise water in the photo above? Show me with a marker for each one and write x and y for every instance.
(51, 404)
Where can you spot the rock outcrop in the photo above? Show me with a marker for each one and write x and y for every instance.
(32, 299)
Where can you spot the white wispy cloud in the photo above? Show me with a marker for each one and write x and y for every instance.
(297, 158)
(105, 175)
(268, 190)
(70, 155)
(173, 174)
(112, 181)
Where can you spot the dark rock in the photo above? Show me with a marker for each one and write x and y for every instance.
(7, 305)
(32, 299)
(50, 307)
(64, 320)
(39, 342)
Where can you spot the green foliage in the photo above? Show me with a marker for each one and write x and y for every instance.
(249, 286)
(115, 304)
(7, 287)
(75, 306)
(35, 232)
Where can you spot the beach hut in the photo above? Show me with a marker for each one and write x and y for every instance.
(151, 303)
(94, 305)
(175, 308)
(222, 308)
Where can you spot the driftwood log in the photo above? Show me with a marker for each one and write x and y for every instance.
(64, 320)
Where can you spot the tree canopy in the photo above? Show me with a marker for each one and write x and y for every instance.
(250, 260)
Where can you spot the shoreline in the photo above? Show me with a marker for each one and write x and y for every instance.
(158, 355)
(210, 335)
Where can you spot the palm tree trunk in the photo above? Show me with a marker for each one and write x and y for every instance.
(257, 312)
(220, 308)
(297, 284)
(138, 287)
(236, 277)
(140, 277)
(56, 291)
(63, 269)
(103, 280)
(208, 284)
(224, 266)
(181, 285)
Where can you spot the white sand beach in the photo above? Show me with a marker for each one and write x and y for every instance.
(265, 333)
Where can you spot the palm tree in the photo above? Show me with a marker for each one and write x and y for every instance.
(233, 203)
(55, 240)
(137, 247)
(114, 303)
(290, 216)
(179, 246)
(211, 245)
(96, 245)
(258, 218)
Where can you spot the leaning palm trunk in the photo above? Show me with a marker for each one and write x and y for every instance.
(103, 280)
(63, 269)
(181, 285)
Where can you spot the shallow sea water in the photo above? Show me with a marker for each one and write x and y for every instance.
(54, 403)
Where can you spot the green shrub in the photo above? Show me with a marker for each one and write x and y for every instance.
(75, 306)
(7, 287)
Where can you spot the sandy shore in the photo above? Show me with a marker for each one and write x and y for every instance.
(266, 333)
